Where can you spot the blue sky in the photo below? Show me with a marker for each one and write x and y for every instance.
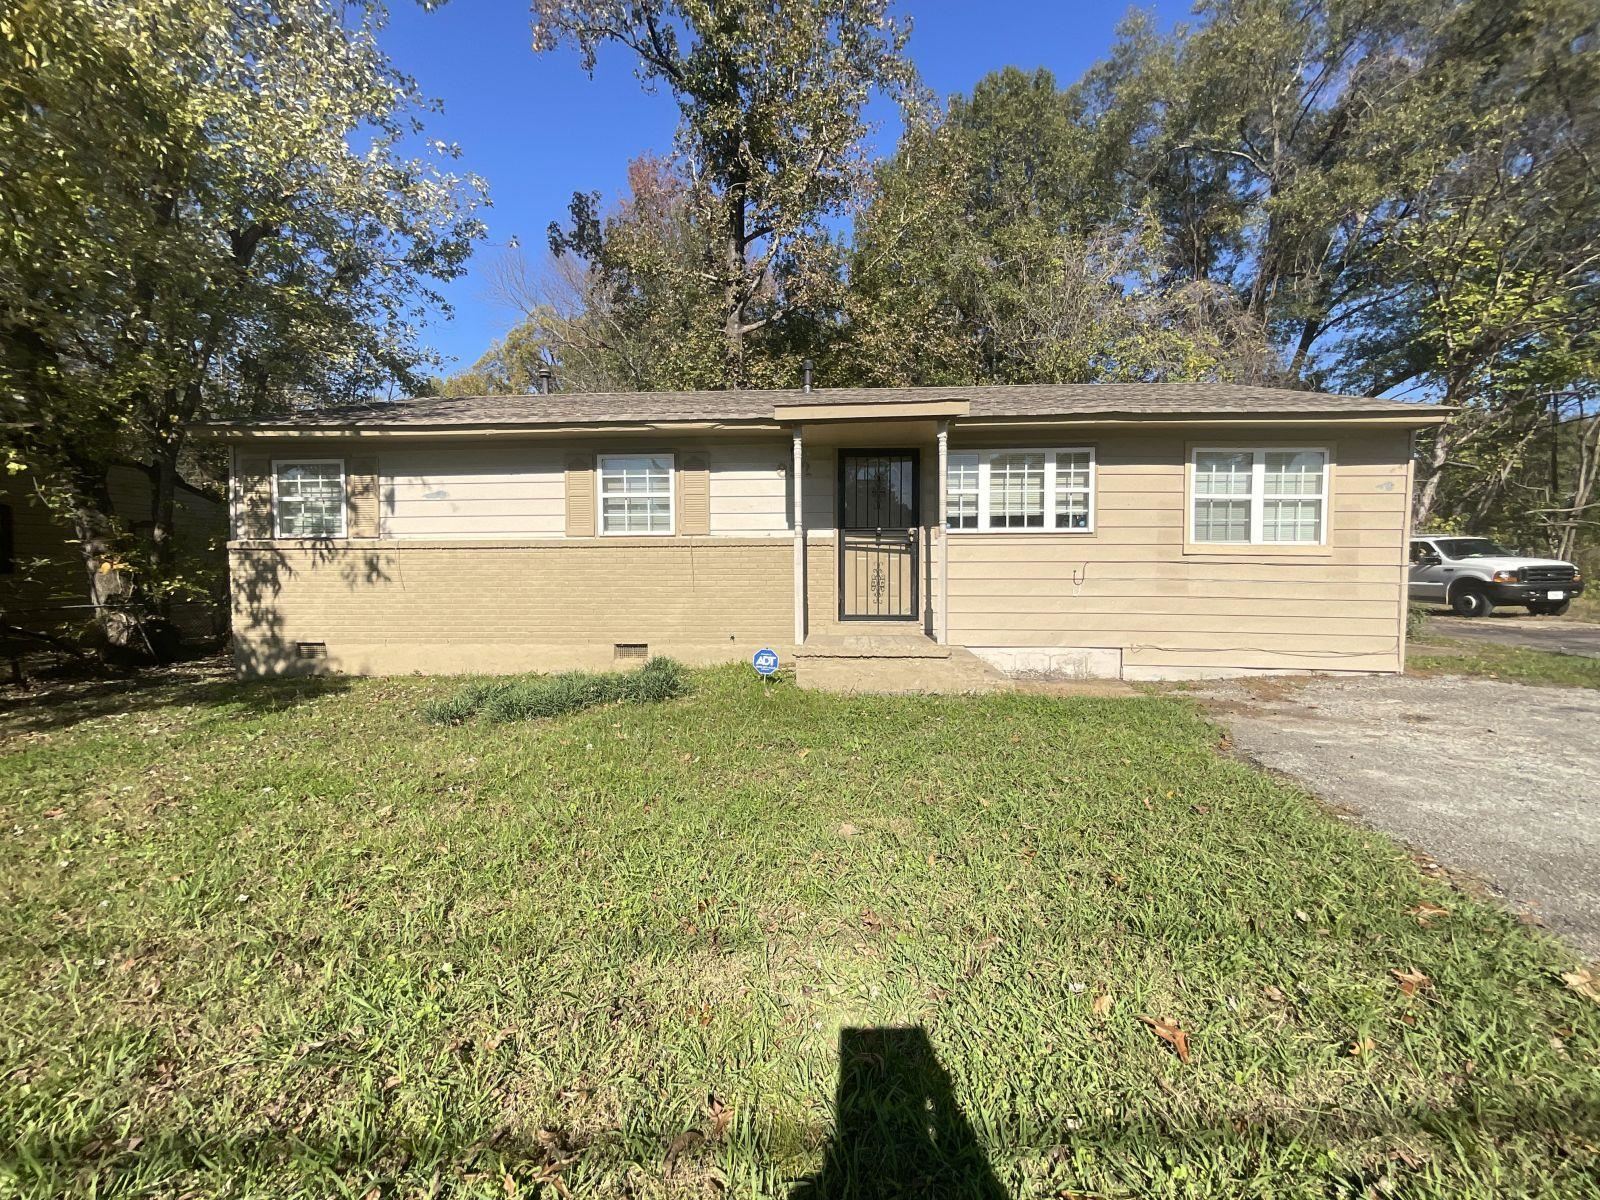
(538, 128)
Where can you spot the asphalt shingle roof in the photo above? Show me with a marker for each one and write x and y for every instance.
(987, 401)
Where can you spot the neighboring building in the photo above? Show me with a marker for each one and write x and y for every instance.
(1133, 530)
(42, 581)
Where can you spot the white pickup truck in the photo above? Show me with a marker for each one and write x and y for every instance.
(1473, 574)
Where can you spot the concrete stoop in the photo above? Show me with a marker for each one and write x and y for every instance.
(879, 663)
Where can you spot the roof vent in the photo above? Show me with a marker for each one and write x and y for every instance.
(805, 375)
(546, 375)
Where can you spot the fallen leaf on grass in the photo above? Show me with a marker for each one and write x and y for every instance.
(1585, 982)
(848, 830)
(1101, 1005)
(1411, 981)
(1168, 1031)
(1426, 912)
(719, 1116)
(1362, 1047)
(1274, 994)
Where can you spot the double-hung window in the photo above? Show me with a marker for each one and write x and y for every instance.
(1021, 490)
(308, 498)
(636, 493)
(1260, 496)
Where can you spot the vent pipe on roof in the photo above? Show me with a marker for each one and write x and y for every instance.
(805, 374)
(545, 376)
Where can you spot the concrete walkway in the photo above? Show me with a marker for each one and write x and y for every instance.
(1498, 780)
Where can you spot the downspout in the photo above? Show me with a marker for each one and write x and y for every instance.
(941, 610)
(799, 541)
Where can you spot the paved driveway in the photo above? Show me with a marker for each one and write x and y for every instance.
(1517, 628)
(1495, 779)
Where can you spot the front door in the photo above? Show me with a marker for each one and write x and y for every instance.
(878, 532)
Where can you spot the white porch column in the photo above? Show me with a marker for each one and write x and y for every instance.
(941, 602)
(799, 541)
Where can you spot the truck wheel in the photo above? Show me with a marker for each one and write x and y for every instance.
(1557, 608)
(1470, 601)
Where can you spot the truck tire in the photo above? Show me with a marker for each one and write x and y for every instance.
(1470, 600)
(1550, 608)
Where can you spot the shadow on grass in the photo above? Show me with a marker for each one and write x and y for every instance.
(60, 703)
(897, 1129)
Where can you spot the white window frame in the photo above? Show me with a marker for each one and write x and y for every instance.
(344, 496)
(600, 493)
(1258, 494)
(987, 456)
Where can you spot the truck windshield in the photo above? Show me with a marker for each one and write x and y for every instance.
(1472, 548)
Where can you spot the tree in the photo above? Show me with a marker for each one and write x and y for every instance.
(207, 210)
(771, 102)
(996, 250)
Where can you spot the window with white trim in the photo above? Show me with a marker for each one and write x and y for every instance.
(308, 498)
(1260, 496)
(636, 493)
(1020, 490)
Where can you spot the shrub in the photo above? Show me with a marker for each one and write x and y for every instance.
(534, 696)
(1416, 621)
(452, 710)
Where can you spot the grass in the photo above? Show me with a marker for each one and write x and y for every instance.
(291, 940)
(532, 697)
(1486, 660)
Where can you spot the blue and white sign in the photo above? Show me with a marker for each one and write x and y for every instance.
(766, 662)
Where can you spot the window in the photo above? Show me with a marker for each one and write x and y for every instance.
(961, 487)
(636, 493)
(308, 498)
(1021, 490)
(1260, 496)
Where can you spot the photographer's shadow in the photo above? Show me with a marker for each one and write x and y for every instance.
(897, 1130)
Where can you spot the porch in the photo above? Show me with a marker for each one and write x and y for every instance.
(870, 559)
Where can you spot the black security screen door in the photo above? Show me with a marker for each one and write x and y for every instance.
(878, 523)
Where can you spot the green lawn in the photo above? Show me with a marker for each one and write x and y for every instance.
(290, 940)
(1486, 660)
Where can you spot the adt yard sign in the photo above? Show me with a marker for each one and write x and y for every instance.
(766, 662)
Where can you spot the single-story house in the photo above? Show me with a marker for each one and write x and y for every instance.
(1138, 531)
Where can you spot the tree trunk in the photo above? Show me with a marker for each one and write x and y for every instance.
(163, 513)
(1428, 493)
(733, 288)
(109, 589)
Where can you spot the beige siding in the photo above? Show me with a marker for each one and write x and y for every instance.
(508, 606)
(1132, 585)
(450, 492)
(750, 490)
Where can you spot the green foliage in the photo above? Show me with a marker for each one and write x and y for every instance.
(205, 209)
(771, 101)
(538, 696)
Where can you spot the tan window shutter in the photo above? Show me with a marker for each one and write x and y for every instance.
(694, 493)
(361, 495)
(580, 495)
(254, 485)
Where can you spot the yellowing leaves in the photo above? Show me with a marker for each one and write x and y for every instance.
(1584, 982)
(1171, 1032)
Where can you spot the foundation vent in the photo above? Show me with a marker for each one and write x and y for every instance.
(311, 649)
(638, 650)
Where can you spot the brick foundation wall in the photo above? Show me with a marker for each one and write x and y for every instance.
(393, 607)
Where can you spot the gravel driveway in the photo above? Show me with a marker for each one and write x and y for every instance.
(1519, 629)
(1498, 780)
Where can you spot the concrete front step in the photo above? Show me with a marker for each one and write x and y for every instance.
(893, 665)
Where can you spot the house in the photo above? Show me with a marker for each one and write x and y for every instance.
(1140, 531)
